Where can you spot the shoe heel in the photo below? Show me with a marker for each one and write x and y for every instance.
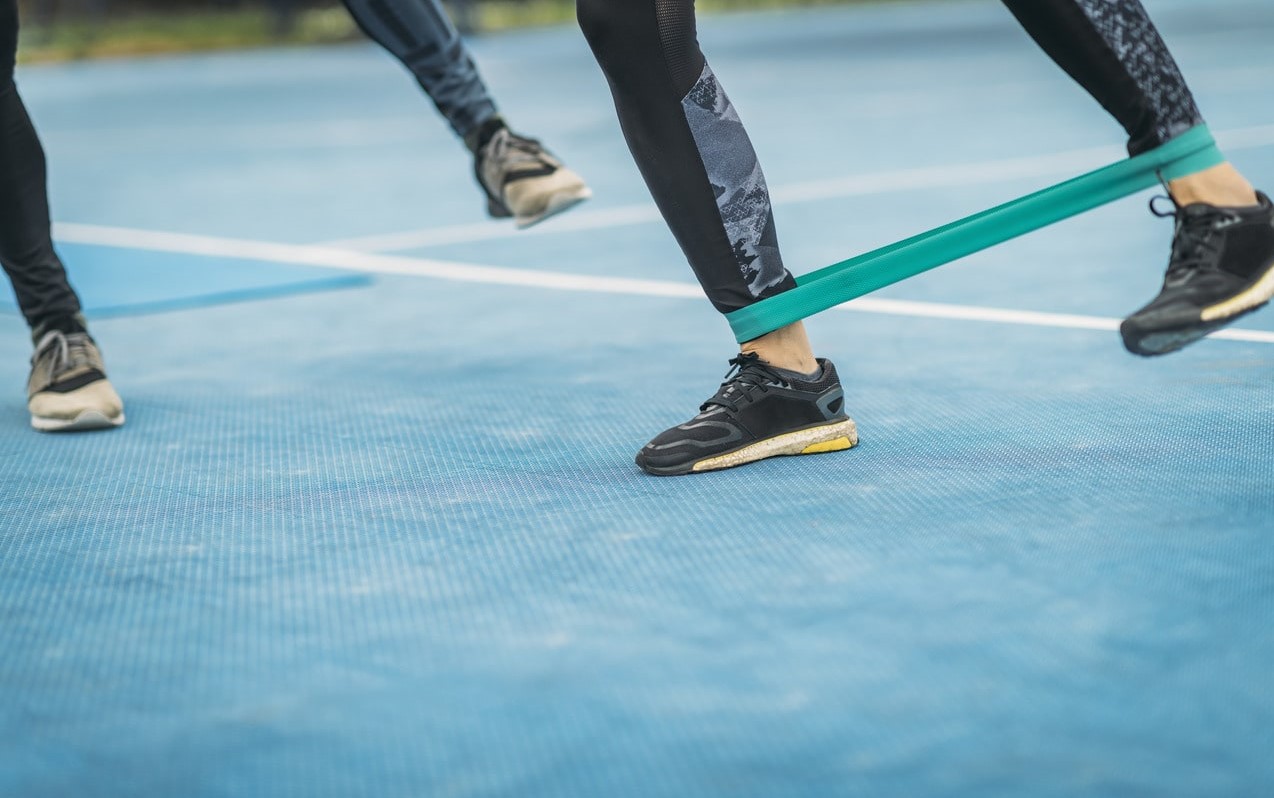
(838, 445)
(497, 209)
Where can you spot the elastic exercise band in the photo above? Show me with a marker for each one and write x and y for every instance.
(817, 291)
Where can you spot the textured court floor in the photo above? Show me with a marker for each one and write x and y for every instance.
(386, 538)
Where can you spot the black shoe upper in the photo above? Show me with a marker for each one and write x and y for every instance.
(755, 402)
(1236, 241)
(1217, 253)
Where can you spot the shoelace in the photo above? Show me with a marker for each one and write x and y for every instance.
(68, 352)
(1196, 243)
(511, 150)
(747, 374)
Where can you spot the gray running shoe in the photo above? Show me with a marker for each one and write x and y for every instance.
(524, 181)
(68, 390)
(758, 412)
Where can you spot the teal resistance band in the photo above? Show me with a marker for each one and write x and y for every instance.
(817, 291)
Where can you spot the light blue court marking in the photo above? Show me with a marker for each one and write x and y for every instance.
(114, 281)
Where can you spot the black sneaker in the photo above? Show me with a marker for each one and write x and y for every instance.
(759, 412)
(1222, 267)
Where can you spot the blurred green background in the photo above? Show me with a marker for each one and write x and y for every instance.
(54, 30)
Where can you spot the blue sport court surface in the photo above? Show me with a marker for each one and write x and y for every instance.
(373, 527)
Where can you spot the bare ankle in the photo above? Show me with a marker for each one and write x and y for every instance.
(787, 348)
(1221, 185)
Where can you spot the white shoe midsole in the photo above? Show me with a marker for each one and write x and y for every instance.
(799, 442)
(1260, 293)
(89, 419)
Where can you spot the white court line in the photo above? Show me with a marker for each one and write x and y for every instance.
(1069, 162)
(329, 257)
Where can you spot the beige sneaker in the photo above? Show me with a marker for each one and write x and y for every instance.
(523, 180)
(68, 389)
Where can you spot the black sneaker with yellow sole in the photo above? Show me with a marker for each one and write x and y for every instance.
(1222, 267)
(759, 412)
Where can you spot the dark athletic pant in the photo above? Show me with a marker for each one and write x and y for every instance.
(418, 32)
(420, 35)
(26, 248)
(697, 159)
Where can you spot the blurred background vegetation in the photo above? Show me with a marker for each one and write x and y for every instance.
(56, 30)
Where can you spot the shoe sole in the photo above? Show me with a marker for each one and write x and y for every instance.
(836, 437)
(1150, 343)
(88, 420)
(558, 203)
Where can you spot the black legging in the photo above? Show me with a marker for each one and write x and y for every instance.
(26, 249)
(417, 31)
(701, 168)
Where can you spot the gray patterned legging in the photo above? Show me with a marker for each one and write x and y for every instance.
(697, 160)
(420, 35)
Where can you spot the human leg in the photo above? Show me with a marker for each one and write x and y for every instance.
(420, 35)
(26, 248)
(68, 388)
(519, 176)
(1115, 52)
(1222, 263)
(695, 155)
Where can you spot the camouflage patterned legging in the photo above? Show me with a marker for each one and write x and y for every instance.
(420, 34)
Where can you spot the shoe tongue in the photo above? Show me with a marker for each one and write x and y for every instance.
(1201, 211)
(1200, 217)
